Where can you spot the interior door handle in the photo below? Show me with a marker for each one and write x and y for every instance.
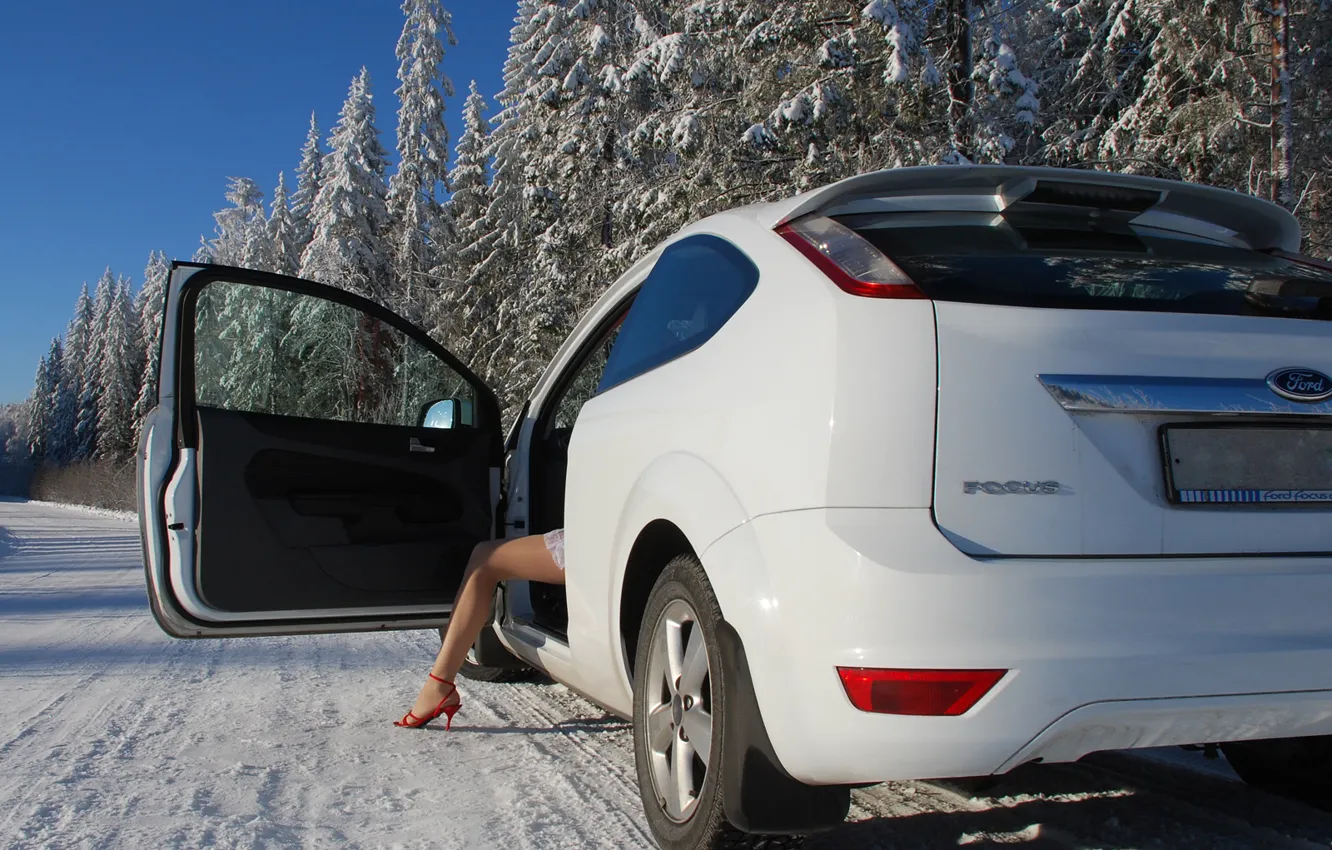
(415, 445)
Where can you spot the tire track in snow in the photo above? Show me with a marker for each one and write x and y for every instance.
(596, 742)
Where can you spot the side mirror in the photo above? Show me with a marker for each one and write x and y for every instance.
(447, 413)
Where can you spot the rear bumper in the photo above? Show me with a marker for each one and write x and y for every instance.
(1102, 654)
(1128, 724)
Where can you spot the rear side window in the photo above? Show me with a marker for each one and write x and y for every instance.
(696, 285)
(1074, 263)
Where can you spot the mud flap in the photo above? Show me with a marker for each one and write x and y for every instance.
(759, 795)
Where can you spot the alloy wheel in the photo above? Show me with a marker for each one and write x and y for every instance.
(679, 711)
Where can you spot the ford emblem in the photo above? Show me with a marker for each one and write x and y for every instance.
(1304, 385)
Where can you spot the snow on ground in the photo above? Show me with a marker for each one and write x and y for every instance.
(114, 735)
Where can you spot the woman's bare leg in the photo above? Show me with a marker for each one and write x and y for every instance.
(492, 562)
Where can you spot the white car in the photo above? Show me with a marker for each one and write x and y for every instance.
(932, 472)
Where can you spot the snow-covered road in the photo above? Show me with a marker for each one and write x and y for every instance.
(114, 735)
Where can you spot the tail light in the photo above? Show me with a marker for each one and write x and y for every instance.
(848, 259)
(932, 693)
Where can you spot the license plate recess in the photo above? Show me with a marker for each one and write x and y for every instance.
(1253, 464)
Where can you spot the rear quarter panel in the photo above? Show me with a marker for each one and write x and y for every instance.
(806, 397)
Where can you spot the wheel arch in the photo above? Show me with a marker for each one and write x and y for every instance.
(681, 504)
(656, 545)
(759, 794)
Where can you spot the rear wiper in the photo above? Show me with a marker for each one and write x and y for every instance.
(1296, 298)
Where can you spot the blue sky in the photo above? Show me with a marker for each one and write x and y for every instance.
(124, 121)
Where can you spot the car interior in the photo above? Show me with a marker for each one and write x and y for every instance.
(549, 462)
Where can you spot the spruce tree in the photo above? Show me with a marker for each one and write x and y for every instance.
(471, 195)
(64, 418)
(462, 304)
(350, 216)
(64, 443)
(284, 234)
(85, 432)
(309, 178)
(252, 321)
(150, 304)
(422, 229)
(558, 137)
(501, 264)
(39, 420)
(118, 375)
(242, 229)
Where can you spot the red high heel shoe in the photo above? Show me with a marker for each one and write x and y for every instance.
(411, 721)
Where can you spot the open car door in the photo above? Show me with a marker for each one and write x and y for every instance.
(315, 463)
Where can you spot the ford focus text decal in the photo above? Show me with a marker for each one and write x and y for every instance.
(1012, 488)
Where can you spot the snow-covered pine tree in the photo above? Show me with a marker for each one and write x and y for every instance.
(64, 417)
(350, 216)
(323, 343)
(422, 237)
(685, 86)
(85, 434)
(204, 253)
(150, 304)
(1281, 105)
(1310, 54)
(251, 323)
(134, 352)
(309, 178)
(471, 184)
(39, 411)
(244, 322)
(118, 374)
(1006, 104)
(681, 97)
(837, 98)
(846, 87)
(461, 304)
(284, 233)
(242, 229)
(501, 266)
(1095, 57)
(64, 442)
(580, 105)
(542, 56)
(1177, 90)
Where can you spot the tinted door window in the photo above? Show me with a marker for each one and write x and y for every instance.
(696, 286)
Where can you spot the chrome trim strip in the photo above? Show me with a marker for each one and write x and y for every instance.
(1164, 395)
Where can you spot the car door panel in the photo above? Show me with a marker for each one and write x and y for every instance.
(290, 521)
(287, 481)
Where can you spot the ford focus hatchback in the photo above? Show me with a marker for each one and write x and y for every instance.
(931, 472)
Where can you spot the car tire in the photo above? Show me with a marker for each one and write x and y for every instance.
(681, 609)
(1294, 767)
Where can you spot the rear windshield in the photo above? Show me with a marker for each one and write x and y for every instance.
(1065, 262)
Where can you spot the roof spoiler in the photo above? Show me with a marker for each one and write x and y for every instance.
(1206, 211)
